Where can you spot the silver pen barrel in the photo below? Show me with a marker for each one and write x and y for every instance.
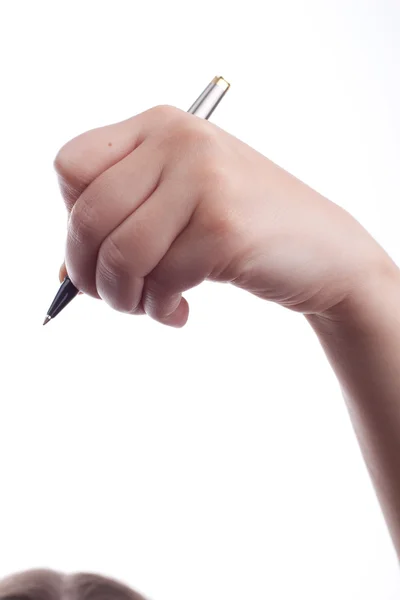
(208, 101)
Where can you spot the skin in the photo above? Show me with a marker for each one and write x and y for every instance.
(43, 584)
(163, 201)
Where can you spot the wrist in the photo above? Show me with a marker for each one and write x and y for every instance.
(361, 337)
(373, 300)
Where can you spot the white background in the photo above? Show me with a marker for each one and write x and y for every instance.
(217, 461)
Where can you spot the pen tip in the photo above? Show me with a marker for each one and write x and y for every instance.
(47, 319)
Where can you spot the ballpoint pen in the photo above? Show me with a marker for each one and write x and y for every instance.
(203, 107)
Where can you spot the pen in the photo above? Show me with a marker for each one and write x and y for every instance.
(204, 106)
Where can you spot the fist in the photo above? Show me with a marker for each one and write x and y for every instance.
(165, 200)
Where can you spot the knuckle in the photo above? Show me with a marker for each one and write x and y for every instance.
(82, 223)
(62, 163)
(213, 178)
(185, 135)
(111, 262)
(163, 113)
(159, 302)
(68, 165)
(194, 133)
(219, 219)
(85, 217)
(112, 273)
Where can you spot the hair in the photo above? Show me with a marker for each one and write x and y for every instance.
(43, 584)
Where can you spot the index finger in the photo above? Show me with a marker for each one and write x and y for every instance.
(87, 156)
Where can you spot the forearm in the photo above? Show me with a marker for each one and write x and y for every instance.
(362, 342)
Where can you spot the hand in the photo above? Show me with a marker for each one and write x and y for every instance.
(165, 200)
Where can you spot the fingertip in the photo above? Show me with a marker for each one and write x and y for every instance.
(179, 317)
(62, 273)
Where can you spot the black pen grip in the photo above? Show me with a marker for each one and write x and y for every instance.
(65, 294)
